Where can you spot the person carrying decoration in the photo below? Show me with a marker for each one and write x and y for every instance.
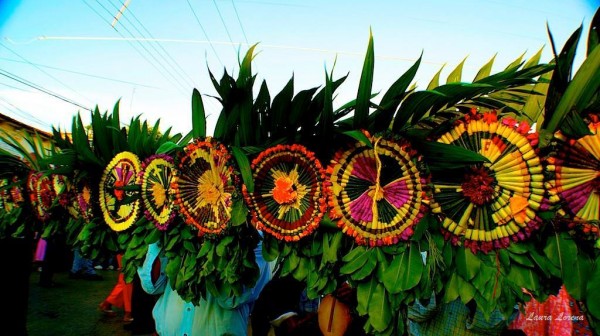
(120, 295)
(213, 316)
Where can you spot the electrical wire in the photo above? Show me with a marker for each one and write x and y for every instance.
(45, 72)
(146, 49)
(131, 44)
(225, 25)
(205, 34)
(170, 61)
(25, 115)
(81, 73)
(40, 88)
(239, 21)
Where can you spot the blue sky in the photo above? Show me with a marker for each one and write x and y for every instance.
(69, 47)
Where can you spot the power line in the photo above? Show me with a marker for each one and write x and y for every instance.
(43, 71)
(266, 46)
(40, 88)
(25, 115)
(205, 34)
(131, 44)
(177, 67)
(146, 49)
(225, 25)
(81, 73)
(239, 21)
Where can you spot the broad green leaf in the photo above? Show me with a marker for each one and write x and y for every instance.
(445, 156)
(467, 264)
(405, 271)
(592, 299)
(359, 261)
(363, 98)
(485, 70)
(168, 147)
(523, 278)
(452, 289)
(379, 308)
(366, 270)
(594, 33)
(562, 252)
(239, 213)
(198, 116)
(456, 74)
(244, 166)
(360, 136)
(580, 91)
(364, 292)
(466, 290)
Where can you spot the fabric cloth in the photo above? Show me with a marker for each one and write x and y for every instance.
(40, 250)
(558, 315)
(120, 296)
(452, 319)
(213, 316)
(82, 265)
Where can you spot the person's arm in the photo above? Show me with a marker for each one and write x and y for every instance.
(152, 272)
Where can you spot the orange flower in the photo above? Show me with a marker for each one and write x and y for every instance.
(284, 193)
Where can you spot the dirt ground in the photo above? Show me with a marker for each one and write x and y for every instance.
(71, 308)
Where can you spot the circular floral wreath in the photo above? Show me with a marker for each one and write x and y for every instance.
(288, 200)
(576, 174)
(377, 192)
(41, 195)
(489, 204)
(119, 200)
(155, 181)
(205, 186)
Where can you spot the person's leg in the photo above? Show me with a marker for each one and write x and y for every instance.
(49, 263)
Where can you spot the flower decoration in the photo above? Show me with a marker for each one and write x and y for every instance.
(6, 202)
(41, 195)
(83, 197)
(377, 193)
(205, 186)
(576, 174)
(288, 201)
(119, 199)
(155, 181)
(10, 196)
(488, 205)
(66, 196)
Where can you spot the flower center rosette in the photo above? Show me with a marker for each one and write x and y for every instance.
(155, 181)
(119, 198)
(288, 200)
(205, 186)
(487, 205)
(377, 193)
(575, 167)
